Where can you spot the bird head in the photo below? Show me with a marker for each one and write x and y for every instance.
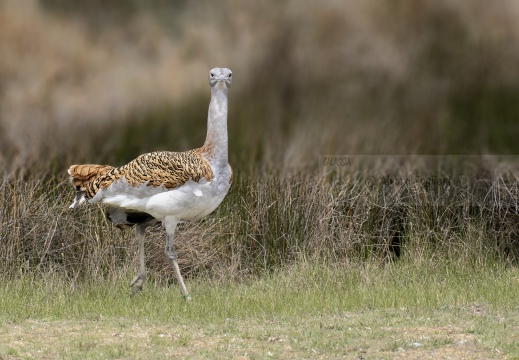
(220, 77)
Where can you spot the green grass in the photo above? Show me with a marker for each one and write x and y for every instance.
(291, 292)
(303, 311)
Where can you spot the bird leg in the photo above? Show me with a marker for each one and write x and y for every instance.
(172, 255)
(139, 279)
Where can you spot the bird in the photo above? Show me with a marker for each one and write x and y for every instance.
(164, 187)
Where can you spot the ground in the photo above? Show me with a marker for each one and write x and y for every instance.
(373, 334)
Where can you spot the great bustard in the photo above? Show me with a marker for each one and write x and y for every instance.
(167, 187)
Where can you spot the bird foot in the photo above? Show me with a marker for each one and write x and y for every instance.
(187, 297)
(137, 283)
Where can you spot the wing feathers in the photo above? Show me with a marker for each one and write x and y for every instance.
(167, 169)
(81, 175)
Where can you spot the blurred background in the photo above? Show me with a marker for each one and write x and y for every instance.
(103, 81)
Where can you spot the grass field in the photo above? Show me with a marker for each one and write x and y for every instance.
(328, 245)
(319, 266)
(307, 311)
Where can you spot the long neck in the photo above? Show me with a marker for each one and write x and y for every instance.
(215, 148)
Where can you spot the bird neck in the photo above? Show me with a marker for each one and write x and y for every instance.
(215, 148)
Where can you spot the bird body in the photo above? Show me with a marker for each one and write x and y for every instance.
(183, 185)
(163, 186)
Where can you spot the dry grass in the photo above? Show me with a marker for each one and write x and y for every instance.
(364, 211)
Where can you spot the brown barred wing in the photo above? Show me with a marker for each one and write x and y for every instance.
(163, 168)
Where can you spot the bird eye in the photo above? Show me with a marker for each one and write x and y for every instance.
(212, 75)
(230, 75)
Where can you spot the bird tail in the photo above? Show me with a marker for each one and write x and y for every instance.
(81, 176)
